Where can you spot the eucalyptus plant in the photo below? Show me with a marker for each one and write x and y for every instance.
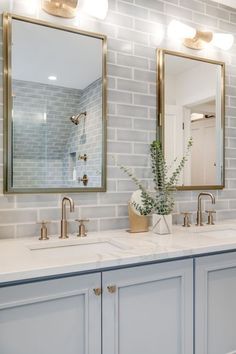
(161, 200)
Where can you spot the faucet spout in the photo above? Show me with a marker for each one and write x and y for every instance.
(64, 222)
(199, 206)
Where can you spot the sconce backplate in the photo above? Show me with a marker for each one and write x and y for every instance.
(61, 8)
(199, 41)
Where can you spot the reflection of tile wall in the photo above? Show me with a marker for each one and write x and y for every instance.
(86, 138)
(135, 28)
(44, 136)
(42, 118)
(34, 172)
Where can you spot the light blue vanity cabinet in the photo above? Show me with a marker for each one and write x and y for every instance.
(144, 309)
(216, 304)
(59, 316)
(149, 309)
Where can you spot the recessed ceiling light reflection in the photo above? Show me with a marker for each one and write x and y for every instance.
(52, 78)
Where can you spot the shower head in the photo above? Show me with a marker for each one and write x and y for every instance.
(76, 119)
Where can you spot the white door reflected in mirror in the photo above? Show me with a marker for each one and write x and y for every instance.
(193, 106)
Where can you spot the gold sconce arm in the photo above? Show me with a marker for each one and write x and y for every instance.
(60, 8)
(199, 41)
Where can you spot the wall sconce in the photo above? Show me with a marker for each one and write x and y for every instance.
(68, 8)
(61, 8)
(195, 39)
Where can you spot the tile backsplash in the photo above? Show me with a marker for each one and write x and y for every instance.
(135, 29)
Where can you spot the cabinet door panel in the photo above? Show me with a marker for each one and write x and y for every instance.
(216, 304)
(56, 316)
(151, 310)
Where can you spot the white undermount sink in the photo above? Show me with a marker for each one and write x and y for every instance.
(76, 247)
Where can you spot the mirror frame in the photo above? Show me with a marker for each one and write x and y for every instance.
(161, 106)
(7, 99)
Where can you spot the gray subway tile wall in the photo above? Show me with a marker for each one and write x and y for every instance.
(135, 29)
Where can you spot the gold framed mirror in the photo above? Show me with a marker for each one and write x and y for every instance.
(191, 103)
(54, 108)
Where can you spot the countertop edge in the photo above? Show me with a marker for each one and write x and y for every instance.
(11, 278)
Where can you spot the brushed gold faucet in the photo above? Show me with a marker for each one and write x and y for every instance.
(199, 206)
(63, 217)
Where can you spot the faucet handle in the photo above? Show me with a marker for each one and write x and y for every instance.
(44, 230)
(186, 218)
(210, 220)
(82, 228)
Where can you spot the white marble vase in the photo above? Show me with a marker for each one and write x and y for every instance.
(162, 224)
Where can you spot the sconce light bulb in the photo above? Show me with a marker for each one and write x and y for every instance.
(177, 29)
(223, 40)
(30, 7)
(96, 8)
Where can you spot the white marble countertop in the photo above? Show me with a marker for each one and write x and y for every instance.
(20, 259)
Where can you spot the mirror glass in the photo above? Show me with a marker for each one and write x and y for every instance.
(56, 109)
(192, 105)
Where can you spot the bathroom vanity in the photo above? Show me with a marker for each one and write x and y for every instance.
(110, 293)
(120, 294)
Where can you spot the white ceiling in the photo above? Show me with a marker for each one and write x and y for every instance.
(206, 107)
(38, 52)
(231, 3)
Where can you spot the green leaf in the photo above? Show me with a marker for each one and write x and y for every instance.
(161, 201)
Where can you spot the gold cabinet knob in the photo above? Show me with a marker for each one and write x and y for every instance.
(111, 289)
(97, 291)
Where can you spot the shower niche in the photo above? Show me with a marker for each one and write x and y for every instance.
(55, 108)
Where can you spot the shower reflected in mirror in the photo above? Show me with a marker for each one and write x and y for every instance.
(76, 119)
